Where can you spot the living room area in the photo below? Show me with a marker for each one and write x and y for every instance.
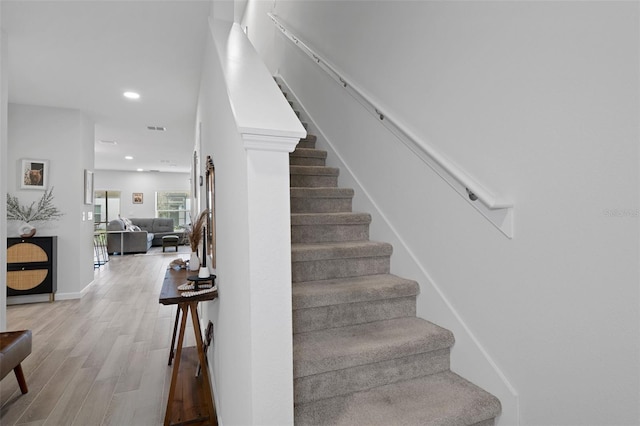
(134, 211)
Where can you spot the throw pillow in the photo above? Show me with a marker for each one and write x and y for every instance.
(127, 222)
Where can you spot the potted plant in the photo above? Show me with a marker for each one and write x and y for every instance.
(194, 231)
(43, 211)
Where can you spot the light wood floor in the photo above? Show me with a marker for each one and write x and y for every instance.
(100, 360)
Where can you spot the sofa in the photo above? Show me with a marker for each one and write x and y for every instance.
(139, 235)
(159, 227)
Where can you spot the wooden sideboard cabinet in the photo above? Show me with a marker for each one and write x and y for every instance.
(31, 266)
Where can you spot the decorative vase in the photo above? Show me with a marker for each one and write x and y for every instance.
(194, 261)
(204, 272)
(26, 230)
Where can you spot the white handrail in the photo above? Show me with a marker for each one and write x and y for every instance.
(499, 211)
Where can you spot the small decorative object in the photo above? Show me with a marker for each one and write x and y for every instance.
(34, 174)
(178, 264)
(204, 271)
(43, 211)
(194, 262)
(194, 231)
(138, 197)
(26, 230)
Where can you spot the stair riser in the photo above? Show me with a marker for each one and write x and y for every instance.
(329, 233)
(339, 268)
(311, 181)
(320, 205)
(349, 380)
(306, 161)
(332, 316)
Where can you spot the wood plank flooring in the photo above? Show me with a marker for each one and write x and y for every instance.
(100, 360)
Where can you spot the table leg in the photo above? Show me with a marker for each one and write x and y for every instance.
(176, 365)
(173, 339)
(203, 361)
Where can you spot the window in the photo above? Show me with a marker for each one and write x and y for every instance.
(106, 207)
(175, 205)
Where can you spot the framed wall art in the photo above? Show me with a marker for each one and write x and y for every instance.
(138, 198)
(34, 174)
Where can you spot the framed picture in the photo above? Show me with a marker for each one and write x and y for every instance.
(138, 198)
(34, 174)
(88, 186)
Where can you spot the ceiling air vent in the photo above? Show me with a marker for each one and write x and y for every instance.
(109, 142)
(158, 128)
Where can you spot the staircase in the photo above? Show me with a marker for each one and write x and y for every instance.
(360, 354)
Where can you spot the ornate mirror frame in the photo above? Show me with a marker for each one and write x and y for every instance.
(211, 208)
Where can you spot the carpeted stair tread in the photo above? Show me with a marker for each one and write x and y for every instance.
(312, 294)
(303, 192)
(314, 170)
(308, 157)
(338, 218)
(320, 351)
(442, 399)
(308, 142)
(340, 250)
(313, 176)
(307, 152)
(329, 227)
(321, 199)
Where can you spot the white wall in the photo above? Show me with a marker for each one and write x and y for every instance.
(538, 101)
(145, 182)
(65, 138)
(231, 361)
(3, 177)
(249, 130)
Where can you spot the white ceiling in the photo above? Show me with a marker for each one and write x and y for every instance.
(84, 54)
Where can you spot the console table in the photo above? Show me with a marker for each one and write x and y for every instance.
(200, 409)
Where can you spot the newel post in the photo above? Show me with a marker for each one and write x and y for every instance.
(270, 276)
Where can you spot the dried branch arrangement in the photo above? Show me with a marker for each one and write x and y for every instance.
(44, 210)
(195, 230)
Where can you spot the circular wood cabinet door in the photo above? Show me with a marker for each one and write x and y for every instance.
(26, 279)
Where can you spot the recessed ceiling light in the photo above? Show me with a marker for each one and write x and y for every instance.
(128, 157)
(131, 95)
(140, 170)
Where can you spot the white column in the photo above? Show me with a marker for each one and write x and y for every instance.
(270, 278)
